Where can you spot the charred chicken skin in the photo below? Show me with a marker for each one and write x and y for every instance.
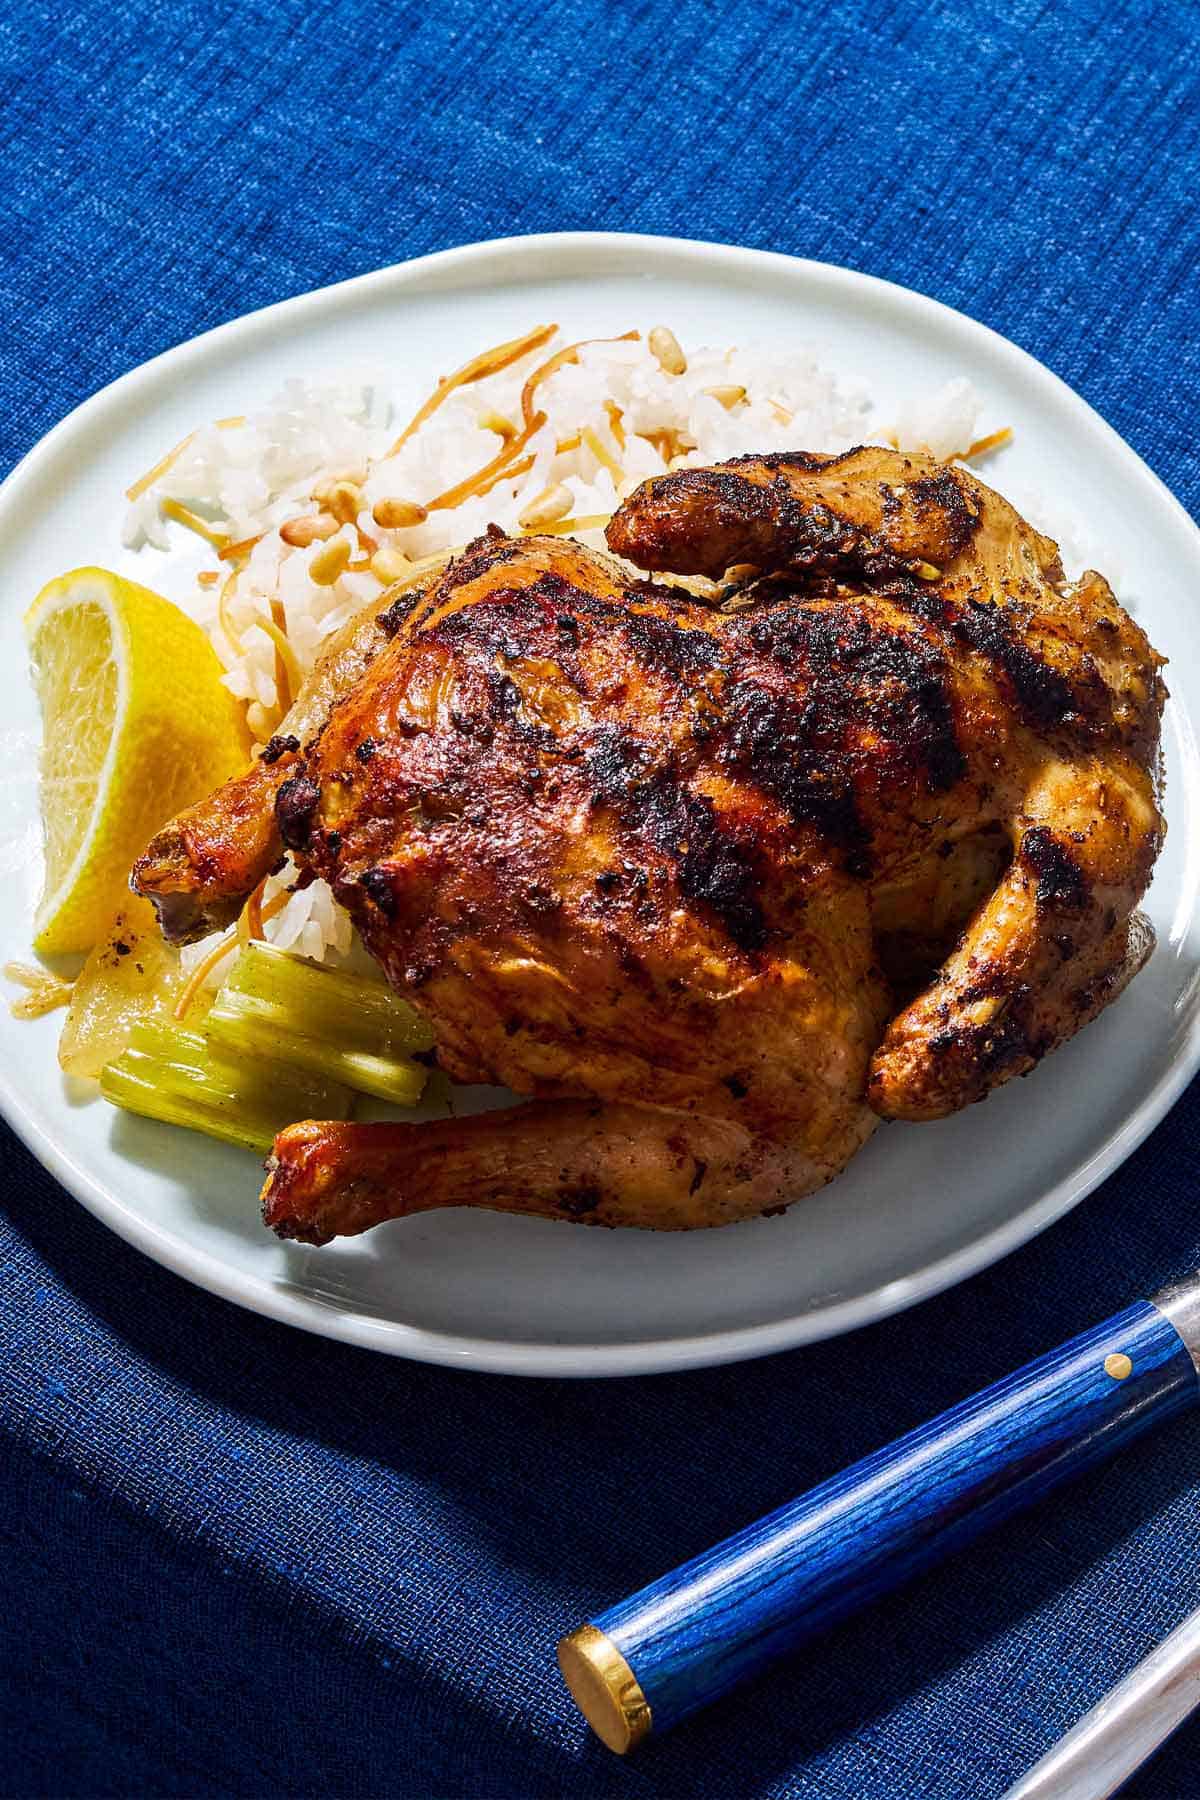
(718, 886)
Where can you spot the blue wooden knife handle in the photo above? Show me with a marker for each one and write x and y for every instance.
(679, 1643)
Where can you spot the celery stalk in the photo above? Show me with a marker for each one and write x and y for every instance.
(351, 1011)
(280, 1007)
(178, 1077)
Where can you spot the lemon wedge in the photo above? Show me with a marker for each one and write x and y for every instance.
(136, 725)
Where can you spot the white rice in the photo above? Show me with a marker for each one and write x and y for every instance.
(246, 478)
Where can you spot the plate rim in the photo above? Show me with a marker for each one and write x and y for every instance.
(276, 1299)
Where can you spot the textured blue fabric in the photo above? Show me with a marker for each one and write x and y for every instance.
(236, 1560)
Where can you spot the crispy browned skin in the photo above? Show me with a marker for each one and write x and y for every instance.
(669, 869)
(642, 859)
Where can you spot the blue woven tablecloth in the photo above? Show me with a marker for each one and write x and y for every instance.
(237, 1560)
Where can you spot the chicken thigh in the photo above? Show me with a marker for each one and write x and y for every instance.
(674, 869)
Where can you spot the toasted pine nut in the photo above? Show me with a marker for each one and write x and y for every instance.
(394, 515)
(741, 572)
(927, 571)
(302, 532)
(553, 503)
(345, 501)
(329, 562)
(728, 396)
(666, 347)
(324, 493)
(388, 565)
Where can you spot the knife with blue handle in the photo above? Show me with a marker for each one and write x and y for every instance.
(646, 1663)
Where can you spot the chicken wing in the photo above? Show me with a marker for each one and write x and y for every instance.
(201, 867)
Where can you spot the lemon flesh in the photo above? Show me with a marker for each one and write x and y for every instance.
(135, 724)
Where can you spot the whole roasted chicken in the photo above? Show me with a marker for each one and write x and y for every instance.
(718, 883)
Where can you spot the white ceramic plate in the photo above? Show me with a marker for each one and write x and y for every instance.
(923, 1206)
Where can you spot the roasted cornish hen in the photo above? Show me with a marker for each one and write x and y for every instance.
(686, 872)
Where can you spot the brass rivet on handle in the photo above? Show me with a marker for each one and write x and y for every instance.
(1118, 1365)
(604, 1688)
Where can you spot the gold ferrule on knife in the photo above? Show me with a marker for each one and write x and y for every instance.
(604, 1688)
